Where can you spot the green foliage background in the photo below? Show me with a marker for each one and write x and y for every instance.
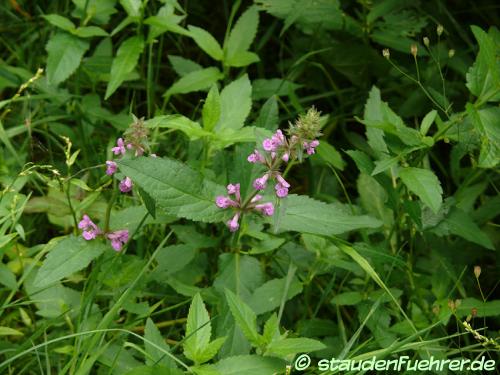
(372, 253)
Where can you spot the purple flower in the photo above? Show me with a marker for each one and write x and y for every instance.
(282, 181)
(111, 167)
(266, 208)
(257, 198)
(278, 138)
(233, 224)
(268, 145)
(90, 230)
(255, 157)
(260, 183)
(126, 185)
(285, 157)
(234, 189)
(225, 202)
(281, 190)
(310, 147)
(120, 147)
(118, 239)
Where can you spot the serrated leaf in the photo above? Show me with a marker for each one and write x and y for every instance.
(211, 109)
(271, 329)
(211, 350)
(483, 78)
(177, 189)
(291, 346)
(206, 42)
(69, 255)
(183, 66)
(236, 102)
(330, 155)
(243, 58)
(241, 37)
(244, 317)
(124, 62)
(195, 81)
(178, 122)
(65, 52)
(198, 329)
(307, 215)
(425, 184)
(486, 122)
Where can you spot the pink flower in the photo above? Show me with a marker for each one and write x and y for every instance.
(255, 157)
(126, 185)
(257, 198)
(282, 181)
(234, 189)
(260, 183)
(111, 167)
(225, 202)
(310, 147)
(285, 157)
(118, 239)
(120, 147)
(278, 138)
(233, 224)
(281, 190)
(90, 230)
(266, 208)
(268, 145)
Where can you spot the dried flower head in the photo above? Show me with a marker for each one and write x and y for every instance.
(386, 53)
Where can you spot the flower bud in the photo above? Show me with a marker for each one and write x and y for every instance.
(439, 29)
(426, 41)
(386, 53)
(413, 50)
(477, 271)
(451, 53)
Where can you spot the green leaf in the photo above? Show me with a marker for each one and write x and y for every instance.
(132, 7)
(174, 258)
(427, 121)
(195, 81)
(211, 109)
(249, 365)
(460, 224)
(89, 32)
(266, 88)
(244, 317)
(60, 22)
(98, 11)
(291, 346)
(198, 329)
(330, 155)
(236, 102)
(124, 62)
(183, 66)
(211, 350)
(268, 115)
(307, 215)
(65, 52)
(425, 184)
(241, 37)
(154, 356)
(69, 255)
(177, 189)
(348, 298)
(7, 277)
(178, 122)
(206, 42)
(243, 58)
(268, 296)
(7, 331)
(485, 121)
(483, 78)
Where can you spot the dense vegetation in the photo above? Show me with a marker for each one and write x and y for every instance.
(220, 187)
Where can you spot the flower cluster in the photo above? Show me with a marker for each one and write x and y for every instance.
(276, 151)
(235, 202)
(91, 231)
(136, 139)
